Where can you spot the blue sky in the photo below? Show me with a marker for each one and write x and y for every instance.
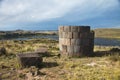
(49, 14)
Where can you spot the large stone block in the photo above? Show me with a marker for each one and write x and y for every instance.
(29, 59)
(74, 28)
(67, 29)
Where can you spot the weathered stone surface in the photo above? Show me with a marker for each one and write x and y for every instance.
(70, 35)
(67, 28)
(70, 49)
(65, 34)
(76, 35)
(68, 41)
(74, 28)
(29, 59)
(42, 51)
(83, 29)
(64, 48)
(73, 41)
(76, 49)
(76, 41)
(61, 34)
(61, 28)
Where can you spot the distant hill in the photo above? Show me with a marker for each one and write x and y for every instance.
(108, 33)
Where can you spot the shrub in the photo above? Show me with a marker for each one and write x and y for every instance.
(115, 58)
(3, 51)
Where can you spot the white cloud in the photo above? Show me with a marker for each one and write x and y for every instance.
(24, 11)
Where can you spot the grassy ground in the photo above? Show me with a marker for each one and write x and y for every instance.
(99, 67)
(107, 33)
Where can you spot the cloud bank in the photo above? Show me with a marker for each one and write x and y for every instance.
(17, 12)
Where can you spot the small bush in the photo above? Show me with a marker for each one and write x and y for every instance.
(115, 50)
(3, 51)
(115, 58)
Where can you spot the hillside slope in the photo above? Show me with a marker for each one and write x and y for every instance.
(107, 33)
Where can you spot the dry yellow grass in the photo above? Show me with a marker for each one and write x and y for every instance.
(53, 68)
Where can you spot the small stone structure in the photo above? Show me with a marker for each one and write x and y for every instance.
(76, 41)
(29, 59)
